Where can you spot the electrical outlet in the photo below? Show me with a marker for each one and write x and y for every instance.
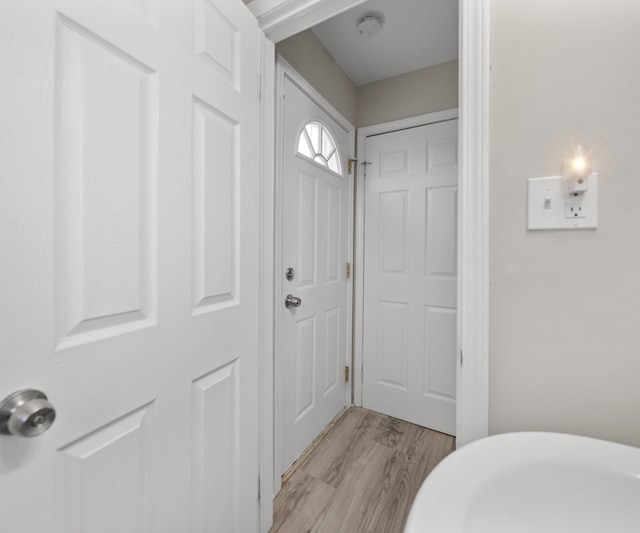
(575, 206)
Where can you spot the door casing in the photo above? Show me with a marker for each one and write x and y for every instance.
(280, 19)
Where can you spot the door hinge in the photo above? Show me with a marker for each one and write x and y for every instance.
(259, 87)
(350, 165)
(348, 270)
(461, 357)
(346, 374)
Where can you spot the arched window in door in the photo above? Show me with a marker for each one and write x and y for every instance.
(317, 143)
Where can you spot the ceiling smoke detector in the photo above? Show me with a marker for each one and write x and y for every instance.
(369, 25)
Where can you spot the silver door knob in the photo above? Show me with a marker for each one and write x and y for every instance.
(26, 413)
(292, 301)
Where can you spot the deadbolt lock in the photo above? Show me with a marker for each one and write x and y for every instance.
(290, 273)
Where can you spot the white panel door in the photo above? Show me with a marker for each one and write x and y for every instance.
(312, 388)
(128, 205)
(409, 361)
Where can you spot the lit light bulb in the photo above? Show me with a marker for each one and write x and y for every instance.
(579, 164)
(577, 174)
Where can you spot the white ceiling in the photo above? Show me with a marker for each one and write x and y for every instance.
(415, 34)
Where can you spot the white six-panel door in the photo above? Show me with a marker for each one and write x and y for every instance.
(128, 294)
(310, 365)
(409, 360)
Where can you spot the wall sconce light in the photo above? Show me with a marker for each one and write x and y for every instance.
(569, 201)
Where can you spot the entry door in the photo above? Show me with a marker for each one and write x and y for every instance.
(128, 205)
(410, 275)
(312, 388)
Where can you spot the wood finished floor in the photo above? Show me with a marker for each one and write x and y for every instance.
(361, 478)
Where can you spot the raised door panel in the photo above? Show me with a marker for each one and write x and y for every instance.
(307, 234)
(441, 228)
(215, 210)
(392, 234)
(217, 41)
(305, 366)
(440, 352)
(120, 456)
(394, 163)
(441, 246)
(333, 352)
(105, 231)
(442, 154)
(392, 346)
(215, 450)
(333, 236)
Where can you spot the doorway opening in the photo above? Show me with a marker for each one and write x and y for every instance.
(289, 18)
(407, 288)
(396, 70)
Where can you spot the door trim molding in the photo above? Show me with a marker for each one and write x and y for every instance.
(280, 19)
(472, 405)
(358, 319)
(472, 418)
(285, 70)
(267, 282)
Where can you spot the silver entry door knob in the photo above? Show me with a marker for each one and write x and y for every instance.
(26, 413)
(292, 301)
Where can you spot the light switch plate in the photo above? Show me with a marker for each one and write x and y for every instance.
(548, 200)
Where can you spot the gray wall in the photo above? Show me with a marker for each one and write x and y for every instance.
(310, 58)
(423, 91)
(565, 305)
(415, 93)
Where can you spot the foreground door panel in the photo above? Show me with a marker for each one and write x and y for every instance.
(129, 289)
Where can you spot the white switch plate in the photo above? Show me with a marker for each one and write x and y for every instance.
(548, 202)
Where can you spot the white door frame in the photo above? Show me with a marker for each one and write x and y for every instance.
(358, 325)
(285, 70)
(280, 19)
(267, 283)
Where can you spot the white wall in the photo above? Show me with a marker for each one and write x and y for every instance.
(415, 93)
(311, 59)
(565, 305)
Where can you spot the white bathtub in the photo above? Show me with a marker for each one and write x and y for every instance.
(532, 482)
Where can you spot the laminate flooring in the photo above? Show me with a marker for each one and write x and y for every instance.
(361, 478)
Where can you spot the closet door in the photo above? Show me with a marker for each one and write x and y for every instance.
(410, 276)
